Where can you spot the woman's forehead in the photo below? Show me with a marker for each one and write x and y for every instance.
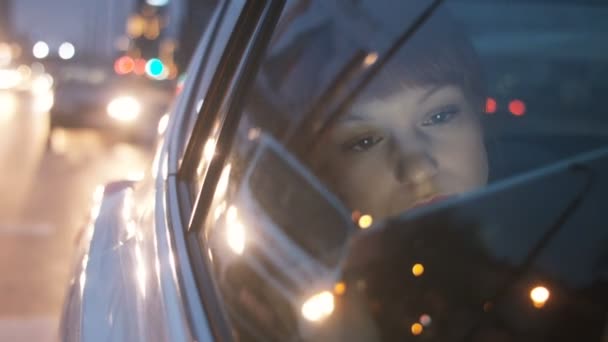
(405, 100)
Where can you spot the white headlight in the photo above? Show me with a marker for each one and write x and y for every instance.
(124, 108)
(318, 307)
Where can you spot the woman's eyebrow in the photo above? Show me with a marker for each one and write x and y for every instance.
(352, 117)
(429, 93)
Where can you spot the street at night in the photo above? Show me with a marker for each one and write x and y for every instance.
(45, 202)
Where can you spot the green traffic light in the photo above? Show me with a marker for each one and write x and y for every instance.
(155, 67)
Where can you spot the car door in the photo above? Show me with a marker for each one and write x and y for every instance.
(221, 69)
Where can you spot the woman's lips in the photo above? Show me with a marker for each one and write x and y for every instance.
(430, 200)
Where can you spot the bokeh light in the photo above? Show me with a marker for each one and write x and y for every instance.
(491, 105)
(365, 221)
(155, 68)
(66, 50)
(417, 329)
(124, 65)
(40, 50)
(517, 107)
(417, 270)
(539, 296)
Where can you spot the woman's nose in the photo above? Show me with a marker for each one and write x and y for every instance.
(412, 161)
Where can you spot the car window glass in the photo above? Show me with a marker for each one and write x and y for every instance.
(347, 129)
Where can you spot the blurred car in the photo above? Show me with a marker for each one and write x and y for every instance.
(233, 235)
(26, 95)
(120, 107)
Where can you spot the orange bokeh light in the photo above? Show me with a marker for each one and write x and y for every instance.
(124, 65)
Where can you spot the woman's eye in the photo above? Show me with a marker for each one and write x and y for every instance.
(440, 117)
(363, 144)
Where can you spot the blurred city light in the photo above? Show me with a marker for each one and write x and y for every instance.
(318, 307)
(491, 105)
(417, 329)
(340, 288)
(124, 65)
(365, 221)
(42, 84)
(517, 107)
(40, 50)
(66, 50)
(417, 270)
(157, 3)
(9, 78)
(124, 108)
(539, 296)
(235, 231)
(155, 68)
(6, 54)
(8, 106)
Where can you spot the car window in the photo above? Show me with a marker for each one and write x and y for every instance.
(367, 112)
(218, 40)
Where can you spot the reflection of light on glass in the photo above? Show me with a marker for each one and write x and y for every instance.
(517, 107)
(253, 133)
(83, 274)
(199, 105)
(417, 270)
(66, 50)
(340, 288)
(425, 320)
(127, 205)
(219, 210)
(491, 106)
(97, 198)
(235, 234)
(417, 329)
(231, 215)
(162, 124)
(8, 106)
(539, 296)
(124, 108)
(210, 254)
(209, 149)
(370, 59)
(318, 307)
(40, 50)
(365, 221)
(222, 184)
(141, 270)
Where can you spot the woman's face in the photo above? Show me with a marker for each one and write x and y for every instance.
(409, 149)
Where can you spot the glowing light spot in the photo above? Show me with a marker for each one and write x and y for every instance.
(365, 221)
(517, 107)
(318, 307)
(124, 65)
(40, 50)
(370, 59)
(417, 270)
(155, 67)
(539, 296)
(425, 320)
(491, 105)
(340, 288)
(66, 50)
(417, 329)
